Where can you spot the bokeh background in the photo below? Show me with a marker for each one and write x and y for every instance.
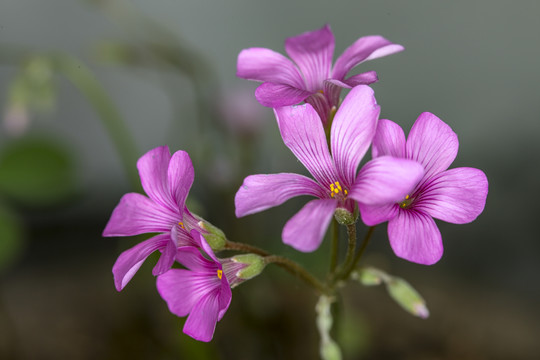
(86, 87)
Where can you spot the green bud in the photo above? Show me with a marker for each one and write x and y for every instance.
(255, 265)
(407, 297)
(344, 216)
(214, 236)
(367, 276)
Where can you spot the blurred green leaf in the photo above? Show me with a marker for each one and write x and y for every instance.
(36, 171)
(11, 237)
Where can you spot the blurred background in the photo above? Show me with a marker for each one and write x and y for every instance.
(87, 87)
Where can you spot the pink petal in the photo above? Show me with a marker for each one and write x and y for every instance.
(366, 78)
(180, 177)
(386, 180)
(202, 320)
(375, 214)
(321, 104)
(153, 167)
(260, 192)
(166, 260)
(432, 143)
(364, 49)
(137, 214)
(312, 51)
(302, 132)
(262, 64)
(389, 140)
(131, 260)
(305, 230)
(277, 95)
(456, 196)
(414, 236)
(352, 130)
(192, 259)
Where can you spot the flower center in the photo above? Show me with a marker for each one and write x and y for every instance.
(337, 192)
(406, 203)
(220, 274)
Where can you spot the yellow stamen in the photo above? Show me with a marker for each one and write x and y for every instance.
(181, 225)
(346, 192)
(407, 197)
(220, 274)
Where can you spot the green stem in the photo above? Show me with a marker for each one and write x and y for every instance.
(335, 246)
(360, 252)
(297, 270)
(231, 245)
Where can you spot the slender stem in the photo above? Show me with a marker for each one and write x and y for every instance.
(296, 269)
(231, 245)
(335, 246)
(363, 247)
(351, 232)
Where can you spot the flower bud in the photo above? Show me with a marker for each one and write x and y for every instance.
(213, 235)
(240, 268)
(344, 216)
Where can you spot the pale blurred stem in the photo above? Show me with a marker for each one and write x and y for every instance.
(120, 135)
(297, 270)
(287, 264)
(359, 254)
(335, 246)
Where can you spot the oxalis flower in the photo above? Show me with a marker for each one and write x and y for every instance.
(166, 180)
(202, 291)
(457, 195)
(310, 77)
(337, 185)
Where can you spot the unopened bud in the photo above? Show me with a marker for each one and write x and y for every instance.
(254, 265)
(214, 236)
(344, 216)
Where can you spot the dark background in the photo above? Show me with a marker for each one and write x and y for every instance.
(473, 64)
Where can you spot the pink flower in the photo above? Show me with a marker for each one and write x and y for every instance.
(166, 180)
(457, 195)
(310, 77)
(337, 183)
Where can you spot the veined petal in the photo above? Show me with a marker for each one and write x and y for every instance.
(180, 177)
(182, 289)
(364, 49)
(277, 95)
(166, 260)
(305, 230)
(375, 214)
(131, 260)
(389, 140)
(303, 133)
(262, 64)
(456, 196)
(202, 320)
(312, 51)
(261, 192)
(432, 143)
(366, 78)
(414, 236)
(191, 258)
(136, 214)
(386, 180)
(352, 130)
(153, 167)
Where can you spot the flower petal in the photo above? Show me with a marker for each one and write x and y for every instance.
(375, 214)
(414, 236)
(131, 260)
(192, 259)
(456, 196)
(262, 64)
(389, 140)
(432, 143)
(202, 320)
(303, 133)
(366, 78)
(364, 49)
(305, 230)
(153, 167)
(312, 51)
(277, 95)
(261, 192)
(180, 177)
(352, 130)
(166, 260)
(136, 214)
(386, 180)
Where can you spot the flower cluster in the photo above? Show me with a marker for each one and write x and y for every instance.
(405, 183)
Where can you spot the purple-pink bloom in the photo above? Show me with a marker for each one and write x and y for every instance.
(456, 196)
(337, 184)
(201, 292)
(166, 180)
(310, 76)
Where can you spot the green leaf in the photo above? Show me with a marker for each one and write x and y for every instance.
(11, 237)
(36, 171)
